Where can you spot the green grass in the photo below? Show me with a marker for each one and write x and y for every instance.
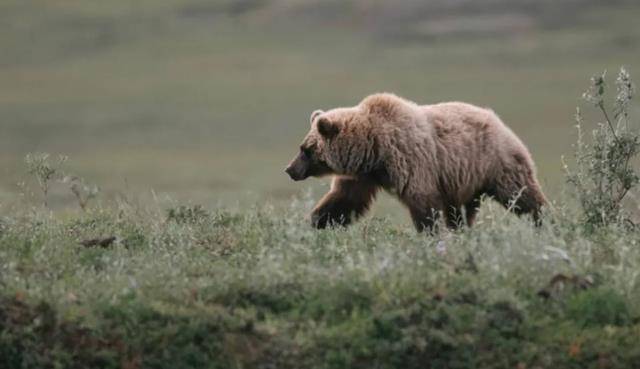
(259, 288)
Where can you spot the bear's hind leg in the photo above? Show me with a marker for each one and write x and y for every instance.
(425, 212)
(348, 198)
(471, 210)
(424, 219)
(460, 216)
(454, 217)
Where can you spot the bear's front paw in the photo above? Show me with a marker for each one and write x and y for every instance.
(328, 219)
(319, 220)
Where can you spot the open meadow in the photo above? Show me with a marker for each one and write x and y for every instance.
(171, 238)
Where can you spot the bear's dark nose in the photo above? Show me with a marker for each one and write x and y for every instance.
(293, 173)
(289, 170)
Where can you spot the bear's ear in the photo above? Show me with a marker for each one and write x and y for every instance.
(327, 128)
(314, 115)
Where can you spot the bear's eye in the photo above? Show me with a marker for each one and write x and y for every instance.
(306, 151)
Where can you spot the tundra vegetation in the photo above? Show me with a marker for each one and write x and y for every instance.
(116, 284)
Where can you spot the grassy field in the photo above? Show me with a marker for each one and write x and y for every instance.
(196, 252)
(190, 288)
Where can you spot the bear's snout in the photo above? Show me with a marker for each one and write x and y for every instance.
(296, 175)
(297, 169)
(291, 172)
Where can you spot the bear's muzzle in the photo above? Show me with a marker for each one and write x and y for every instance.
(298, 168)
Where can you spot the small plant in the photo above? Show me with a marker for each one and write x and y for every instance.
(187, 214)
(82, 191)
(603, 174)
(45, 171)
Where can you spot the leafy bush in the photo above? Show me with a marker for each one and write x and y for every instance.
(44, 171)
(604, 174)
(599, 307)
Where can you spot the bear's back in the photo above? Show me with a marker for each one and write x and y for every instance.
(455, 112)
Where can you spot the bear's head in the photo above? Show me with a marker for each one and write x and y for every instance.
(339, 142)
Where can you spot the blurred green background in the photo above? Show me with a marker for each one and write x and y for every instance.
(206, 101)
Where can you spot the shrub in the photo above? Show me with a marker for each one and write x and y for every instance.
(603, 175)
(599, 307)
(44, 171)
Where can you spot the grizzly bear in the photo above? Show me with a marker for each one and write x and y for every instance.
(436, 159)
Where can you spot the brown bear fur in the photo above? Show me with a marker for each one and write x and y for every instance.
(437, 159)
